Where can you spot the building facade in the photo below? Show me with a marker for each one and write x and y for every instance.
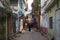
(21, 10)
(6, 20)
(51, 9)
(5, 12)
(36, 11)
(2, 22)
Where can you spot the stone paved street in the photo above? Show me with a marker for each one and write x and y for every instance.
(30, 36)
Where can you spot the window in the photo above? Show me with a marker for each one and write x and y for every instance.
(50, 23)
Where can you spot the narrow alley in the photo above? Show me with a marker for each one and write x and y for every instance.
(29, 19)
(33, 35)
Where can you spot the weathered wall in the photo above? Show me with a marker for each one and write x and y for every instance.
(51, 13)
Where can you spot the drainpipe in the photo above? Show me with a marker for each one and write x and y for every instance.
(6, 26)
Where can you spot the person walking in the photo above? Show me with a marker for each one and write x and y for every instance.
(29, 24)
